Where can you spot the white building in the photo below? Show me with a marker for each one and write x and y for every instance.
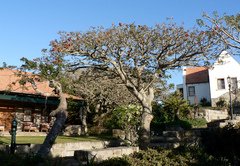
(210, 82)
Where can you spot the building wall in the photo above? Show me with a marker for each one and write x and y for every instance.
(201, 91)
(224, 66)
(6, 117)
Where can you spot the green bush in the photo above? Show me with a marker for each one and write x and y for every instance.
(204, 102)
(158, 156)
(7, 159)
(127, 118)
(166, 114)
(221, 103)
(223, 143)
(19, 160)
(161, 114)
(123, 117)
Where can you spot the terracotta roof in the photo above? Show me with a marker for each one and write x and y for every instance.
(197, 75)
(7, 77)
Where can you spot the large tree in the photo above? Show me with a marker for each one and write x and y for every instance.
(138, 54)
(226, 29)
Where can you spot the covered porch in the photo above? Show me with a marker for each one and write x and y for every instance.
(30, 111)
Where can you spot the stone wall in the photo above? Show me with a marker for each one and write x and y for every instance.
(225, 96)
(104, 154)
(65, 149)
(72, 130)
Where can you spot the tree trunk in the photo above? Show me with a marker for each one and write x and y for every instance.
(83, 117)
(147, 116)
(60, 113)
(176, 117)
(52, 135)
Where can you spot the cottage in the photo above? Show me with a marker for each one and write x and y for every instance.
(30, 109)
(211, 82)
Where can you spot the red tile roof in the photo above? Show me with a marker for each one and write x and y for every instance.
(7, 77)
(197, 75)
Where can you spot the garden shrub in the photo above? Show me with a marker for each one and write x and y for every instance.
(222, 103)
(19, 160)
(204, 102)
(161, 114)
(223, 143)
(166, 114)
(127, 118)
(183, 155)
(7, 159)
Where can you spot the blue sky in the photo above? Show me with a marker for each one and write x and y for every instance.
(27, 26)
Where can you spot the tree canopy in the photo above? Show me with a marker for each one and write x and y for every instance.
(137, 54)
(226, 29)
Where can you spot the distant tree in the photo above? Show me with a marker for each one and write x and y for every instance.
(224, 28)
(103, 92)
(137, 54)
(100, 90)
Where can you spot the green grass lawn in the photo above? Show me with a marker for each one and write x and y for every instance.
(60, 139)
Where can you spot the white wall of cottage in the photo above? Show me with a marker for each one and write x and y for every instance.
(202, 90)
(225, 66)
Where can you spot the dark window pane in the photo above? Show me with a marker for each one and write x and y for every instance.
(221, 84)
(191, 91)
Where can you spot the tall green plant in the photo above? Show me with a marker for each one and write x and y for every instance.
(176, 103)
(161, 114)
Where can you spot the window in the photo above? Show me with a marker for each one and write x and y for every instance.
(27, 114)
(191, 91)
(181, 91)
(45, 115)
(221, 83)
(234, 83)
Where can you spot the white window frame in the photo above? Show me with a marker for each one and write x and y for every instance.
(190, 87)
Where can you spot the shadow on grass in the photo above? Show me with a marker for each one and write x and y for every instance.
(161, 125)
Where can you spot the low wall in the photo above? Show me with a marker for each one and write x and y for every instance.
(222, 123)
(104, 154)
(64, 149)
(211, 115)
